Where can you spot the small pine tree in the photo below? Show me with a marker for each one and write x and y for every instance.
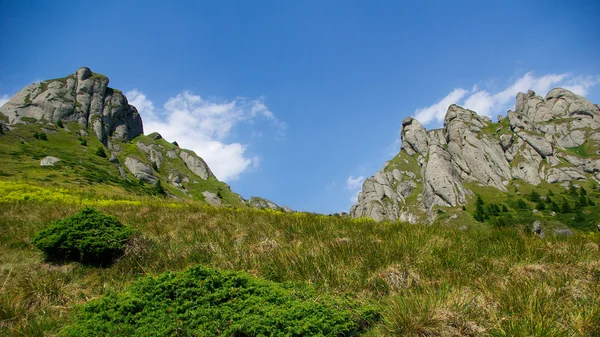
(175, 143)
(581, 202)
(522, 205)
(541, 205)
(590, 202)
(154, 166)
(573, 191)
(158, 189)
(479, 201)
(534, 196)
(582, 191)
(59, 123)
(566, 208)
(551, 193)
(100, 152)
(83, 142)
(479, 213)
(554, 207)
(504, 209)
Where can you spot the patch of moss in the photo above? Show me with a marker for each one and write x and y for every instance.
(585, 150)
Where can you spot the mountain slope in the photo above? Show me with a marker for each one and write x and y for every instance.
(546, 145)
(97, 140)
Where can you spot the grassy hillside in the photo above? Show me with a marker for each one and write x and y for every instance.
(424, 280)
(81, 168)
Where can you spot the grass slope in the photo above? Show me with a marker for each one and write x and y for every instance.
(424, 280)
(82, 169)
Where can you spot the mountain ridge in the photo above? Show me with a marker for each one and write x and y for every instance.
(551, 139)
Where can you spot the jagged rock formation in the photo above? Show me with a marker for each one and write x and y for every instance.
(83, 97)
(554, 139)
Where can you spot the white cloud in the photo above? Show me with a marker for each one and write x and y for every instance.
(438, 110)
(204, 126)
(3, 99)
(354, 183)
(580, 84)
(354, 197)
(486, 103)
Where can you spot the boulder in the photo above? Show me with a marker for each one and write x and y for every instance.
(49, 161)
(196, 164)
(140, 170)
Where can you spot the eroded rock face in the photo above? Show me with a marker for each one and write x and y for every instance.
(84, 98)
(140, 170)
(196, 164)
(530, 144)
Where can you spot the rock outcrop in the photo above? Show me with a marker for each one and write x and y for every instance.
(554, 139)
(84, 98)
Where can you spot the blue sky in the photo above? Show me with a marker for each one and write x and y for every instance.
(299, 101)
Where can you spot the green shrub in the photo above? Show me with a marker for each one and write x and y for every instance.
(40, 136)
(207, 302)
(100, 152)
(59, 123)
(88, 236)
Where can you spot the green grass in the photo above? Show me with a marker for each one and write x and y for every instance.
(585, 150)
(424, 280)
(81, 168)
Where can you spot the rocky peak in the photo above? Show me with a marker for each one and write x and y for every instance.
(83, 97)
(434, 167)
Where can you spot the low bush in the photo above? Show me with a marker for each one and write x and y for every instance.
(207, 302)
(88, 236)
(100, 152)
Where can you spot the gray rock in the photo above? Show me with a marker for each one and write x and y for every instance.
(563, 232)
(532, 149)
(413, 136)
(83, 97)
(262, 203)
(49, 161)
(537, 228)
(175, 178)
(140, 170)
(211, 198)
(195, 164)
(113, 158)
(153, 151)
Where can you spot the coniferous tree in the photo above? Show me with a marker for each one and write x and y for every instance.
(573, 191)
(541, 205)
(566, 208)
(534, 196)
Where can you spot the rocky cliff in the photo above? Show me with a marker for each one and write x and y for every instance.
(83, 97)
(553, 139)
